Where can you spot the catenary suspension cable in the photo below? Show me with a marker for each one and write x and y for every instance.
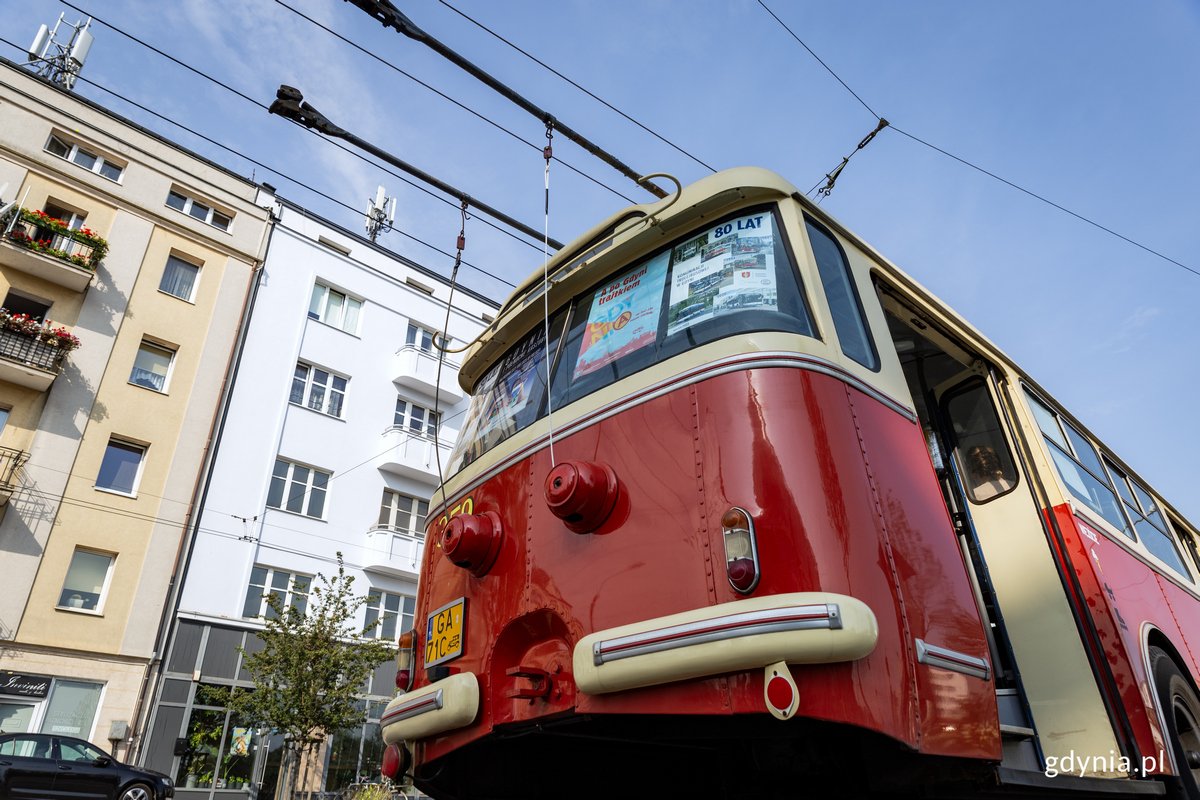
(448, 98)
(590, 94)
(273, 170)
(974, 166)
(461, 245)
(250, 99)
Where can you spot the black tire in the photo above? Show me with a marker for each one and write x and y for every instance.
(1181, 711)
(137, 791)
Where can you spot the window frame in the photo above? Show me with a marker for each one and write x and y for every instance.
(393, 512)
(857, 313)
(126, 444)
(415, 337)
(309, 483)
(268, 586)
(309, 381)
(102, 595)
(430, 428)
(323, 316)
(177, 258)
(73, 148)
(170, 365)
(210, 210)
(376, 614)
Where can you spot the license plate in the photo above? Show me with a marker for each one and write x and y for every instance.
(444, 632)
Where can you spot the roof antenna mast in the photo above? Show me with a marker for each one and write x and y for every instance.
(57, 62)
(381, 214)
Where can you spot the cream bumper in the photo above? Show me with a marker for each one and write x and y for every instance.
(799, 628)
(439, 707)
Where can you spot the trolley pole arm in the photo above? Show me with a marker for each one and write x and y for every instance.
(289, 104)
(391, 17)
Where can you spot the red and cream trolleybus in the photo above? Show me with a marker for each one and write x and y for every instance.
(741, 510)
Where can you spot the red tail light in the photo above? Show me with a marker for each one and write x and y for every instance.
(741, 550)
(405, 655)
(396, 762)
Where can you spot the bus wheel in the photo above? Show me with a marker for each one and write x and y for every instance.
(1181, 710)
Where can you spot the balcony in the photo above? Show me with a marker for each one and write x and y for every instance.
(11, 462)
(418, 369)
(32, 354)
(411, 455)
(46, 248)
(393, 551)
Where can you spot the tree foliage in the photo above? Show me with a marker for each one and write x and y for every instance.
(312, 667)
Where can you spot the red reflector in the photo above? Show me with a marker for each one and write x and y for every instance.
(393, 762)
(403, 679)
(779, 693)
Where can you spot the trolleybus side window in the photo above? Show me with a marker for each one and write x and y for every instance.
(980, 447)
(734, 277)
(1079, 466)
(1147, 520)
(842, 296)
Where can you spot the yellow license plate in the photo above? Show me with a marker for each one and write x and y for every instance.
(445, 630)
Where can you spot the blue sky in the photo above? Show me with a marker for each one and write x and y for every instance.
(1090, 103)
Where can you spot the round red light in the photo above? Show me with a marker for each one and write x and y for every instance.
(403, 679)
(582, 494)
(472, 541)
(741, 573)
(779, 693)
(395, 762)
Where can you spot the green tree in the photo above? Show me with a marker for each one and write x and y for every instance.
(311, 670)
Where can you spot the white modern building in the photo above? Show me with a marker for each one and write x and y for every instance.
(326, 446)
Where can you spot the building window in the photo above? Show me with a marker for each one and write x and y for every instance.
(121, 467)
(201, 211)
(298, 489)
(152, 366)
(87, 578)
(290, 589)
(90, 161)
(72, 712)
(179, 278)
(72, 219)
(334, 308)
(318, 389)
(420, 338)
(415, 418)
(402, 513)
(17, 303)
(388, 614)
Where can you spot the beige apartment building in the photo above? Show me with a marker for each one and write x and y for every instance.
(139, 255)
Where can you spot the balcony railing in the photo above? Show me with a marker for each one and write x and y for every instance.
(11, 462)
(418, 369)
(413, 455)
(393, 551)
(52, 237)
(31, 351)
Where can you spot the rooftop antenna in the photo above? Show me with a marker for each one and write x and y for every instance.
(57, 62)
(381, 213)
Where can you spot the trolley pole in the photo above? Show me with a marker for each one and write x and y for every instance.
(391, 17)
(289, 104)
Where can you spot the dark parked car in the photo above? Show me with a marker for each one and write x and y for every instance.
(43, 765)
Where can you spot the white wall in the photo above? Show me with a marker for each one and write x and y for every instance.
(262, 423)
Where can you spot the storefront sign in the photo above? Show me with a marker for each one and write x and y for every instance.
(24, 685)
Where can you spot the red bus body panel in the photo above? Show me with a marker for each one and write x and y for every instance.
(1106, 572)
(844, 499)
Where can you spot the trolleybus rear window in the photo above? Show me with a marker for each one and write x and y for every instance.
(734, 277)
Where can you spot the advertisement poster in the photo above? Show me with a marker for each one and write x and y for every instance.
(728, 268)
(513, 383)
(624, 316)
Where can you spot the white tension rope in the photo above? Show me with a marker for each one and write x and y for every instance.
(548, 153)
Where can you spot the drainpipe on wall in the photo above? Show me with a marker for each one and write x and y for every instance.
(152, 675)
